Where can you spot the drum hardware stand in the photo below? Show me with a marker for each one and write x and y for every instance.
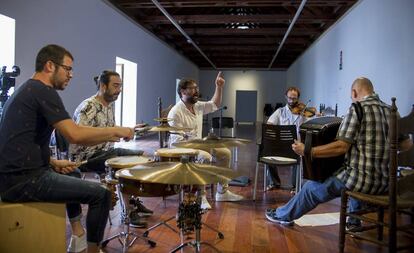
(124, 240)
(163, 222)
(124, 236)
(160, 137)
(189, 219)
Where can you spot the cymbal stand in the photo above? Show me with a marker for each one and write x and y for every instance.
(164, 222)
(189, 219)
(124, 236)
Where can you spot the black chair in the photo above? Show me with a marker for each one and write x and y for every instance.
(275, 148)
(226, 123)
(390, 201)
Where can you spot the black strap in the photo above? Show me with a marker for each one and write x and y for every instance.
(359, 111)
(308, 149)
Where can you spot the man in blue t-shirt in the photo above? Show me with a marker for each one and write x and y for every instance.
(27, 173)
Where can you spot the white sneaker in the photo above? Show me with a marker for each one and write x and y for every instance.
(204, 203)
(77, 244)
(228, 196)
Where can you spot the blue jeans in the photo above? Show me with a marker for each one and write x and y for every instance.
(312, 194)
(49, 186)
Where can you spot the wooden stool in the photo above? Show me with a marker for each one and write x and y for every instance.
(32, 227)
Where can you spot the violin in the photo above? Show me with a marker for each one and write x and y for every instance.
(302, 109)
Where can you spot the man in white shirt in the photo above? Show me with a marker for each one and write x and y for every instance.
(285, 116)
(188, 113)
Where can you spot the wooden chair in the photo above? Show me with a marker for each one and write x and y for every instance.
(389, 201)
(275, 148)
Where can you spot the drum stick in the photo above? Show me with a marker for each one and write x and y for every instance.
(83, 162)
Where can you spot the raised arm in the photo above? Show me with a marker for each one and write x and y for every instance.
(218, 93)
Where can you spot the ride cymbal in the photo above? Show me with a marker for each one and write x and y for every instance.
(187, 173)
(212, 141)
(167, 128)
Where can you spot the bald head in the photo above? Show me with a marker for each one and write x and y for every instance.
(361, 87)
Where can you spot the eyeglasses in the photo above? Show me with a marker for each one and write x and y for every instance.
(292, 98)
(65, 67)
(193, 88)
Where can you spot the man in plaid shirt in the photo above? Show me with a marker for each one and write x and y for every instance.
(365, 144)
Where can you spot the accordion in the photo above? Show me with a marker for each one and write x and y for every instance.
(316, 132)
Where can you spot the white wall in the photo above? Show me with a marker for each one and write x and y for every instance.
(270, 87)
(95, 34)
(377, 38)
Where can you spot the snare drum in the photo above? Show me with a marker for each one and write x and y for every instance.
(136, 187)
(121, 162)
(118, 163)
(175, 154)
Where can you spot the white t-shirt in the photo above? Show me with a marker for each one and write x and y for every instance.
(283, 116)
(182, 117)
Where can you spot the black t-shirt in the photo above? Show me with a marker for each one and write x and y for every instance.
(26, 126)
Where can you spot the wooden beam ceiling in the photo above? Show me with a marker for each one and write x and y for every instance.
(237, 34)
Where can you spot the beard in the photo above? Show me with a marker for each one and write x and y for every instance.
(109, 98)
(191, 99)
(293, 104)
(57, 83)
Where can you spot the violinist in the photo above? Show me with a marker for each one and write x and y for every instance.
(294, 113)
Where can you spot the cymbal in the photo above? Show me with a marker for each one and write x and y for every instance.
(187, 173)
(168, 128)
(163, 119)
(212, 141)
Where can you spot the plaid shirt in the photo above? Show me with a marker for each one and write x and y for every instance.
(365, 167)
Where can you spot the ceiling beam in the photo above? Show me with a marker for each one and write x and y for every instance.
(244, 41)
(239, 32)
(128, 4)
(229, 19)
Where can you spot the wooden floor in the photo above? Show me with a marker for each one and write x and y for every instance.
(243, 223)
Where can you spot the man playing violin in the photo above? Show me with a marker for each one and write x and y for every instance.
(291, 114)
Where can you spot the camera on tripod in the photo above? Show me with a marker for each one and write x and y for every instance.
(7, 81)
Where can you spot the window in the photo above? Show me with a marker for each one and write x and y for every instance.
(7, 43)
(126, 104)
(177, 97)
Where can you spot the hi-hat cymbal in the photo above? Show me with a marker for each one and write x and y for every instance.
(212, 141)
(168, 128)
(178, 173)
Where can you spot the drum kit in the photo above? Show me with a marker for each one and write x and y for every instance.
(170, 172)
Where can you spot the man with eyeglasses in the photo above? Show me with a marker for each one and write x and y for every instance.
(27, 173)
(285, 116)
(188, 113)
(99, 111)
